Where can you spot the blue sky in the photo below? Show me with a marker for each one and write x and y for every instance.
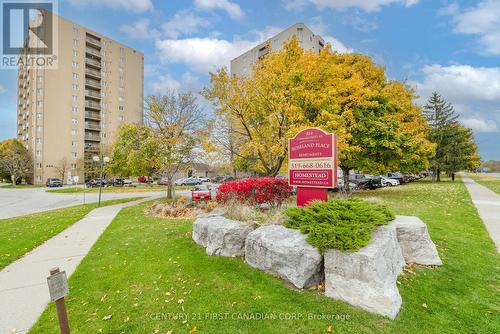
(452, 47)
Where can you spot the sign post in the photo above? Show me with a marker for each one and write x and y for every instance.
(58, 289)
(312, 164)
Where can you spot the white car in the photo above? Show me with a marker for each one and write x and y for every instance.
(387, 182)
(179, 182)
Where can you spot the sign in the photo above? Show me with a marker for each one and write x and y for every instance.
(58, 285)
(313, 159)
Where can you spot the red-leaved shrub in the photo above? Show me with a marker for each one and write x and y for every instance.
(268, 190)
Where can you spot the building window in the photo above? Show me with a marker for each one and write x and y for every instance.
(74, 121)
(75, 98)
(39, 140)
(39, 129)
(74, 154)
(76, 42)
(121, 69)
(38, 153)
(38, 116)
(122, 50)
(121, 118)
(121, 98)
(121, 108)
(103, 134)
(74, 64)
(74, 86)
(122, 60)
(74, 143)
(74, 109)
(38, 165)
(39, 78)
(39, 91)
(73, 166)
(39, 104)
(38, 178)
(76, 31)
(75, 53)
(75, 75)
(73, 132)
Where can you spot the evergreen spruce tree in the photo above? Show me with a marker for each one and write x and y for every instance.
(440, 115)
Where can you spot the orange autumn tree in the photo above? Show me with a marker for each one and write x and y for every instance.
(378, 125)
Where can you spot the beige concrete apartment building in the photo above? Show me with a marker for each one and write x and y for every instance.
(68, 115)
(242, 65)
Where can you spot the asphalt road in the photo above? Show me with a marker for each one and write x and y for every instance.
(18, 202)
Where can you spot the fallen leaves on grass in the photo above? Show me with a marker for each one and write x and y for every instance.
(107, 317)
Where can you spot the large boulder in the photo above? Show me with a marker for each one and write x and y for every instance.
(285, 253)
(415, 242)
(367, 278)
(221, 236)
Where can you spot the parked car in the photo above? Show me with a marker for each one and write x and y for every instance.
(204, 179)
(340, 185)
(398, 176)
(191, 181)
(144, 179)
(54, 183)
(97, 182)
(178, 182)
(127, 182)
(201, 193)
(388, 182)
(363, 181)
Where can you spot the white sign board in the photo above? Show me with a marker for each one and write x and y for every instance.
(58, 285)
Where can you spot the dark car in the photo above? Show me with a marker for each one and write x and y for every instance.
(96, 183)
(363, 181)
(191, 181)
(54, 183)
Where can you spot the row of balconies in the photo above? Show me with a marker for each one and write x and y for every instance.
(90, 136)
(93, 62)
(92, 93)
(93, 52)
(92, 126)
(93, 41)
(93, 115)
(93, 73)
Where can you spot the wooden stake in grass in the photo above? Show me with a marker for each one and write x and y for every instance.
(58, 288)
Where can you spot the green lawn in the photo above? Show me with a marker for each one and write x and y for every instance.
(144, 271)
(140, 188)
(19, 235)
(490, 182)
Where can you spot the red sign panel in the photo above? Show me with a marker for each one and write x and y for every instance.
(313, 159)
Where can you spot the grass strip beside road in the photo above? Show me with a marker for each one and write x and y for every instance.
(146, 275)
(137, 189)
(490, 182)
(19, 235)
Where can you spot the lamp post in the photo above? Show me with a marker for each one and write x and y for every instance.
(102, 161)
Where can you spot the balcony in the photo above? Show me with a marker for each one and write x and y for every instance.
(93, 83)
(93, 52)
(93, 62)
(92, 73)
(92, 105)
(92, 115)
(92, 94)
(90, 137)
(91, 148)
(93, 41)
(92, 126)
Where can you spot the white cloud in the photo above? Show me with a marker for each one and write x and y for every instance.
(183, 22)
(140, 30)
(2, 89)
(234, 10)
(137, 6)
(366, 5)
(480, 125)
(463, 83)
(165, 83)
(474, 91)
(482, 20)
(201, 54)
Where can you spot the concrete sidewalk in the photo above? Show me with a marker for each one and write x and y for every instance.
(487, 203)
(23, 284)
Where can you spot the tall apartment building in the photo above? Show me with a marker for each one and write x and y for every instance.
(242, 65)
(68, 115)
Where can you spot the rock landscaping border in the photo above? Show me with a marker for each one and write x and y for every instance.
(365, 278)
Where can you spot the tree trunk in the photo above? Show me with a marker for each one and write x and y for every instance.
(453, 177)
(434, 174)
(345, 172)
(13, 178)
(438, 175)
(170, 192)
